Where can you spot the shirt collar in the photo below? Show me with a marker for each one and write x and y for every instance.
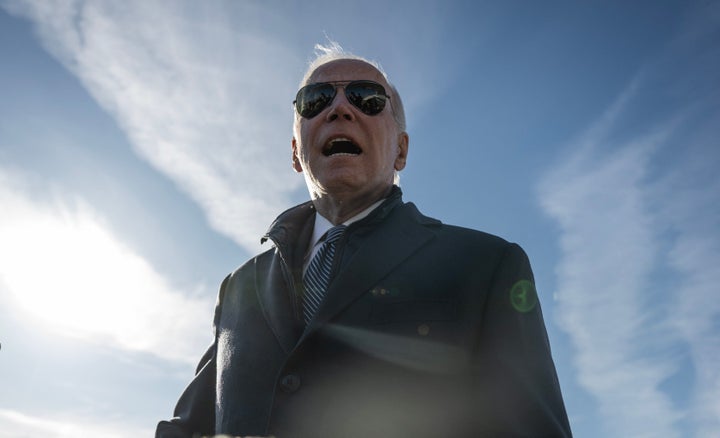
(322, 225)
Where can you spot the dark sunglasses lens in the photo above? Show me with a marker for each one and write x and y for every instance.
(312, 99)
(369, 97)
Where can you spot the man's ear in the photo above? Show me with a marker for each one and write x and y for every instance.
(403, 144)
(295, 158)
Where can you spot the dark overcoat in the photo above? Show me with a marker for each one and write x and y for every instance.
(427, 330)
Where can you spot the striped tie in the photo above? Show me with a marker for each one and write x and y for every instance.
(317, 276)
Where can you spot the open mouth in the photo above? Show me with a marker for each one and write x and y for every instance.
(341, 146)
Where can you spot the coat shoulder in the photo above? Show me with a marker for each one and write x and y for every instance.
(249, 265)
(457, 234)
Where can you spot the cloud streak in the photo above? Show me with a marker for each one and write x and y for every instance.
(199, 96)
(63, 267)
(18, 424)
(637, 278)
(694, 218)
(608, 248)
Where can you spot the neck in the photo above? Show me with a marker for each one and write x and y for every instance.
(339, 207)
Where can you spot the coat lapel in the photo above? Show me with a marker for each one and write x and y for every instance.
(403, 234)
(276, 301)
(278, 277)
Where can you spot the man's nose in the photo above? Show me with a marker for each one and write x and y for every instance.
(340, 107)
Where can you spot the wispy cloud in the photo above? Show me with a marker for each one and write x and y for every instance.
(62, 266)
(15, 424)
(637, 279)
(199, 95)
(609, 251)
(693, 217)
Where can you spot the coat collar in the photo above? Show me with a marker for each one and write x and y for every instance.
(286, 229)
(403, 232)
(394, 229)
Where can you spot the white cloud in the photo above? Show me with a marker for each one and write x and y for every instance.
(630, 231)
(608, 253)
(693, 217)
(199, 94)
(15, 424)
(65, 268)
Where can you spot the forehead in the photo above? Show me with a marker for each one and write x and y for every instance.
(346, 70)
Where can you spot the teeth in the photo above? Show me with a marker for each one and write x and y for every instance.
(341, 146)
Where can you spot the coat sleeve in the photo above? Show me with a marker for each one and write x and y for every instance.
(195, 410)
(521, 393)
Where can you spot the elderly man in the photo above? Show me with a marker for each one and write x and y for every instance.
(367, 318)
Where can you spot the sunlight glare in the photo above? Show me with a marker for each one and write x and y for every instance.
(65, 268)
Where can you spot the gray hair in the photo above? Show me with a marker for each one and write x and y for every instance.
(333, 52)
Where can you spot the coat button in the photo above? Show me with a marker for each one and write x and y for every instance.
(290, 383)
(423, 329)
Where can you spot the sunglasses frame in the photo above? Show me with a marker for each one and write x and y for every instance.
(345, 85)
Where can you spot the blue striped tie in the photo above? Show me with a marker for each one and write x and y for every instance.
(317, 276)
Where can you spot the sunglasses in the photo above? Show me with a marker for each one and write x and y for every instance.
(367, 96)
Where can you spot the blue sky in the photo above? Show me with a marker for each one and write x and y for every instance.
(145, 148)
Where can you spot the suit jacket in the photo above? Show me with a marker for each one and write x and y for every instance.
(426, 330)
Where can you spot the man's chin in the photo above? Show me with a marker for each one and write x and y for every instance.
(341, 181)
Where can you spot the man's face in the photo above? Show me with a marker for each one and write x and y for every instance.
(379, 147)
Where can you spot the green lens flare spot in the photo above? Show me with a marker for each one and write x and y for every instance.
(522, 296)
